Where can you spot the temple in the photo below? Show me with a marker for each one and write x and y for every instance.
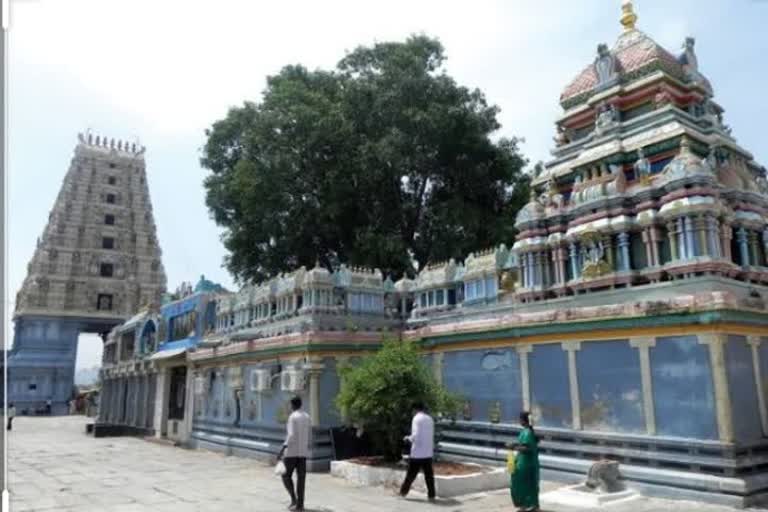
(629, 315)
(95, 264)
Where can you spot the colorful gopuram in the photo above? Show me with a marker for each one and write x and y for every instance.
(629, 315)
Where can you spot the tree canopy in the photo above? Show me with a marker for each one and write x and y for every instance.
(380, 161)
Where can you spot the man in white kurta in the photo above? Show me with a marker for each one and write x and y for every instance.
(422, 441)
(295, 452)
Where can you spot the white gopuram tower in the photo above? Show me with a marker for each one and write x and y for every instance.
(96, 263)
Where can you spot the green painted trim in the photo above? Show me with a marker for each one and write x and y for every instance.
(638, 322)
(306, 348)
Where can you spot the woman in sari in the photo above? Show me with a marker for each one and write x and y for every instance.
(524, 483)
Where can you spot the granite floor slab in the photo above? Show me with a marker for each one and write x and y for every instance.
(55, 467)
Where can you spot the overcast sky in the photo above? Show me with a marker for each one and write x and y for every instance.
(164, 70)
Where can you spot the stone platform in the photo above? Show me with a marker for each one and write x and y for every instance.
(55, 466)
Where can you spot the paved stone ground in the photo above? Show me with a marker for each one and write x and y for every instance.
(54, 466)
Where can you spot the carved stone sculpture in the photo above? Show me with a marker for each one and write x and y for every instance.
(604, 477)
(607, 118)
(605, 66)
(642, 167)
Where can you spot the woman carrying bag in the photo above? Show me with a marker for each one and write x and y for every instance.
(524, 482)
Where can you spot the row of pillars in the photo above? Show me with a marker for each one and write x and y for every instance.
(128, 401)
(688, 237)
(716, 344)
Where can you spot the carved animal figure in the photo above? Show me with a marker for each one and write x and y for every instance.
(604, 477)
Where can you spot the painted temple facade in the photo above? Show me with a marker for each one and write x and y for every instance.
(629, 315)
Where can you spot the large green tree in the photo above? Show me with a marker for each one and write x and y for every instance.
(380, 161)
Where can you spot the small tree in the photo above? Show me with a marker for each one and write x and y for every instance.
(379, 394)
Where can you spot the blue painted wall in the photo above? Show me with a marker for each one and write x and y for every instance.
(485, 377)
(219, 406)
(610, 388)
(549, 385)
(683, 391)
(763, 355)
(741, 383)
(329, 388)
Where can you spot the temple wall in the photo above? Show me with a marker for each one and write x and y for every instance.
(260, 430)
(549, 384)
(610, 389)
(745, 409)
(683, 393)
(762, 355)
(329, 388)
(489, 379)
(677, 400)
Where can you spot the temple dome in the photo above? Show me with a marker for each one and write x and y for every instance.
(686, 164)
(635, 55)
(532, 211)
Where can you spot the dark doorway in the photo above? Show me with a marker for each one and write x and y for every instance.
(178, 393)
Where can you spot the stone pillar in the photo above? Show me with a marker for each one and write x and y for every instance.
(189, 406)
(140, 401)
(741, 238)
(538, 274)
(525, 378)
(754, 250)
(524, 273)
(314, 369)
(754, 343)
(646, 237)
(655, 245)
(726, 234)
(701, 232)
(624, 261)
(609, 257)
(561, 264)
(643, 345)
(104, 401)
(765, 244)
(162, 388)
(716, 344)
(437, 366)
(673, 244)
(712, 237)
(573, 378)
(574, 260)
(151, 400)
(690, 237)
(686, 241)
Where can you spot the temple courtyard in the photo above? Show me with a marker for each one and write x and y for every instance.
(54, 466)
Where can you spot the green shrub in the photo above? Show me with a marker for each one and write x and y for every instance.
(379, 394)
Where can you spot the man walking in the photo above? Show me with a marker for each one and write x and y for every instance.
(422, 441)
(11, 415)
(296, 450)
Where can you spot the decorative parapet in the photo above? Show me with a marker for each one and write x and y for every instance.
(441, 274)
(700, 302)
(106, 144)
(487, 262)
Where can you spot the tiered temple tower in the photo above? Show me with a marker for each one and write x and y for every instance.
(96, 263)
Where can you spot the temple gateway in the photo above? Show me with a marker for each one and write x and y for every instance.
(629, 315)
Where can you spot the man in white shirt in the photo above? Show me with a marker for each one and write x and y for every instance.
(296, 449)
(422, 441)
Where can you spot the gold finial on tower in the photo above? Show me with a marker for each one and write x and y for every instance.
(628, 16)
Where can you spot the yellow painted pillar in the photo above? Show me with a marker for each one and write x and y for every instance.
(716, 344)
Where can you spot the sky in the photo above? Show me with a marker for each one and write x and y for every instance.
(164, 71)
